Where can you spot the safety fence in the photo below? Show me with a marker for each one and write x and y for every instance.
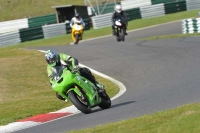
(42, 20)
(129, 4)
(153, 2)
(10, 38)
(191, 26)
(34, 33)
(192, 4)
(152, 11)
(30, 34)
(45, 26)
(148, 10)
(13, 25)
(54, 30)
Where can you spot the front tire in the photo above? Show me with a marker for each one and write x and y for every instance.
(118, 39)
(105, 101)
(118, 36)
(77, 38)
(122, 34)
(80, 105)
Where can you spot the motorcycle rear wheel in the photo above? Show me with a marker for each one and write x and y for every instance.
(80, 105)
(105, 101)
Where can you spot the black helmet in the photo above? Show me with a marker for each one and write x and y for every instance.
(77, 15)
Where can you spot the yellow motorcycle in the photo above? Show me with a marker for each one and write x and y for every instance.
(77, 31)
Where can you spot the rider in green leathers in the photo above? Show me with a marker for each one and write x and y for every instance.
(53, 59)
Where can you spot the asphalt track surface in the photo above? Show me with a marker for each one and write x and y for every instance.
(159, 75)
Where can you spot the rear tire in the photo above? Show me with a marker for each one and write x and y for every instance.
(78, 103)
(105, 101)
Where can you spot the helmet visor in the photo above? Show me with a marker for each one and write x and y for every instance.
(118, 10)
(51, 61)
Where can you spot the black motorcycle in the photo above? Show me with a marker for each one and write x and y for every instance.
(120, 29)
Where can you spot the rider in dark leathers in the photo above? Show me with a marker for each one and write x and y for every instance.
(119, 13)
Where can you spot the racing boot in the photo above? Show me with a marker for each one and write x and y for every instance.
(100, 88)
(125, 32)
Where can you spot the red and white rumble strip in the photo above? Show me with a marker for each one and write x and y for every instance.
(39, 119)
(65, 112)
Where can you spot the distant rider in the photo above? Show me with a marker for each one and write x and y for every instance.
(77, 19)
(53, 59)
(119, 13)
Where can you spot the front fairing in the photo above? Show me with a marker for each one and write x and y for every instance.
(77, 28)
(89, 88)
(65, 81)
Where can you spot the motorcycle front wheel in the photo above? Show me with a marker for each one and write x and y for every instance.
(122, 34)
(77, 38)
(105, 101)
(79, 102)
(117, 36)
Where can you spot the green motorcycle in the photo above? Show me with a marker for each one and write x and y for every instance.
(79, 90)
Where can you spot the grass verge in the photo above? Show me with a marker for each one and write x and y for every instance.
(25, 88)
(183, 119)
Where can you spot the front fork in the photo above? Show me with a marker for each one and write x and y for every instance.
(74, 33)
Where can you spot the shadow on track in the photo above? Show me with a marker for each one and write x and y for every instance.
(114, 106)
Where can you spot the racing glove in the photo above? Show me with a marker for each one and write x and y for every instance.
(75, 69)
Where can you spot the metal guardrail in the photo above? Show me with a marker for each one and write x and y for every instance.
(10, 38)
(173, 7)
(13, 25)
(193, 4)
(191, 26)
(101, 21)
(54, 30)
(42, 20)
(152, 11)
(128, 4)
(133, 14)
(144, 11)
(163, 1)
(29, 34)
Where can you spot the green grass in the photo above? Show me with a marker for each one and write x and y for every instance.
(25, 88)
(18, 9)
(183, 119)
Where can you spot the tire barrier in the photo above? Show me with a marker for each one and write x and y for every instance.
(9, 38)
(40, 27)
(191, 26)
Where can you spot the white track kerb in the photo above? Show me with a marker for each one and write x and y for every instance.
(15, 126)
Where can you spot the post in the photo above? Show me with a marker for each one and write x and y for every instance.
(115, 2)
(85, 2)
(98, 7)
